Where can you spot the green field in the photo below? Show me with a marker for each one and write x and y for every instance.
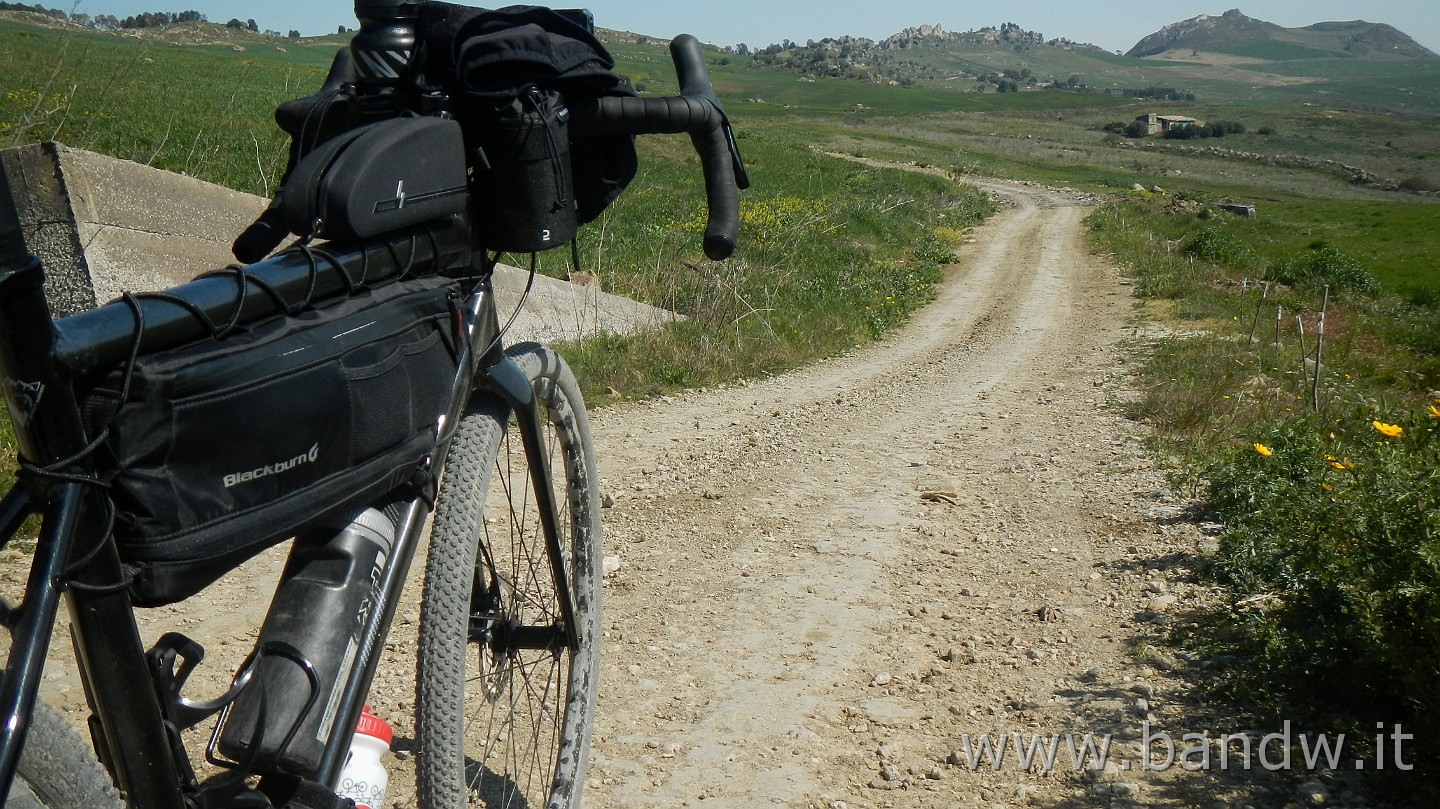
(202, 111)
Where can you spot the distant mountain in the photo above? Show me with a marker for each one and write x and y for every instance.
(1236, 34)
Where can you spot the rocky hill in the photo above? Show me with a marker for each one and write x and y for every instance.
(904, 57)
(1235, 33)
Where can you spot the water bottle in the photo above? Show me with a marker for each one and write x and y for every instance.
(363, 778)
(329, 587)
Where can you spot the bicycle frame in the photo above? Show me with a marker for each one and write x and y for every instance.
(137, 709)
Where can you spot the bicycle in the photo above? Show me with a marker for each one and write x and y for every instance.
(512, 580)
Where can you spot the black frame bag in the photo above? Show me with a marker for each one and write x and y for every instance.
(227, 447)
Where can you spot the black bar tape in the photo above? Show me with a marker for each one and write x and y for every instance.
(690, 67)
(721, 193)
(644, 116)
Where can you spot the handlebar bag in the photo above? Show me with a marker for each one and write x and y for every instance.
(509, 74)
(522, 193)
(226, 447)
(377, 178)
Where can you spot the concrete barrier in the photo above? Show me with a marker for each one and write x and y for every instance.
(102, 226)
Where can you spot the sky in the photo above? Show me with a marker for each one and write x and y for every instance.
(1113, 25)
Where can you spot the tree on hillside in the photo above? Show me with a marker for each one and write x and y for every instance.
(149, 19)
(234, 23)
(252, 26)
(37, 8)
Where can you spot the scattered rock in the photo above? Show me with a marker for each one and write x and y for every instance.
(1161, 603)
(1161, 659)
(1125, 790)
(1313, 793)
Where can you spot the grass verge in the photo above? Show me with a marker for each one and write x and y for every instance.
(1324, 474)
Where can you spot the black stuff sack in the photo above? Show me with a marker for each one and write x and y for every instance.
(227, 447)
(377, 178)
(523, 196)
(510, 75)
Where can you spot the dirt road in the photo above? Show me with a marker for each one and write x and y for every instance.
(828, 579)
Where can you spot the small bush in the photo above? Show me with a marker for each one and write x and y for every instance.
(1323, 265)
(1267, 131)
(1217, 246)
(1333, 541)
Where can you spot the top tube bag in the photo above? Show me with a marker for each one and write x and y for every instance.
(226, 447)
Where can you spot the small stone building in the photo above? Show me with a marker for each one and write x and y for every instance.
(1156, 123)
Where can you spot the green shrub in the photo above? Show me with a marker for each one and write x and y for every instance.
(1323, 265)
(1332, 546)
(1217, 245)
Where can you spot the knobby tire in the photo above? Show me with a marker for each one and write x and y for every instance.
(499, 725)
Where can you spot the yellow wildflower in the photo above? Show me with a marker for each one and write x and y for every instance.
(1325, 487)
(1388, 430)
(1434, 412)
(1263, 450)
(1335, 464)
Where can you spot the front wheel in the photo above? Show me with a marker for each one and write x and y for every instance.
(57, 770)
(505, 706)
